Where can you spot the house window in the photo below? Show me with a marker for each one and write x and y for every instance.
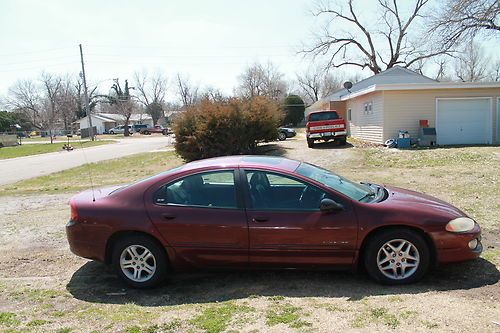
(368, 108)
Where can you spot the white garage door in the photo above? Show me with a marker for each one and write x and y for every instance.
(463, 121)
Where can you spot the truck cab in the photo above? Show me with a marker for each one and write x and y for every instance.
(325, 125)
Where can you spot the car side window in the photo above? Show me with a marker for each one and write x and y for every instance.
(271, 191)
(210, 189)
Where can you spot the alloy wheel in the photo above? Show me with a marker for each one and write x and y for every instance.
(137, 263)
(398, 259)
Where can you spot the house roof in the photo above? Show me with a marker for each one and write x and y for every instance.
(114, 117)
(396, 75)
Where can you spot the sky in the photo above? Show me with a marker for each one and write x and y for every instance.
(212, 42)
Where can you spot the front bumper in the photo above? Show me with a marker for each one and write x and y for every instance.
(454, 247)
(326, 135)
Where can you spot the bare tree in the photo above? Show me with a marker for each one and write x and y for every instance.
(457, 21)
(495, 72)
(151, 93)
(316, 83)
(51, 85)
(262, 80)
(121, 99)
(25, 97)
(213, 94)
(347, 41)
(471, 65)
(187, 91)
(66, 102)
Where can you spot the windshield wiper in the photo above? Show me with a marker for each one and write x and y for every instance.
(367, 195)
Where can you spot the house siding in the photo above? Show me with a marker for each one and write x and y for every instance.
(404, 109)
(367, 127)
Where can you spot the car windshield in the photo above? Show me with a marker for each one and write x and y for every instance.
(323, 116)
(355, 191)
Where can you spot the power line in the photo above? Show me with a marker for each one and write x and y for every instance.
(35, 52)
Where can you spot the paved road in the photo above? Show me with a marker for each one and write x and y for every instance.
(16, 169)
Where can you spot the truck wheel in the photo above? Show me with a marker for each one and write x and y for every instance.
(310, 143)
(343, 141)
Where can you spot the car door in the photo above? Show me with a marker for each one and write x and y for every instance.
(202, 219)
(286, 227)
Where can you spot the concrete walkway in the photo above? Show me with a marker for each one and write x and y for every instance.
(16, 169)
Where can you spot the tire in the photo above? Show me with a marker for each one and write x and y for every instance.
(310, 143)
(343, 141)
(123, 252)
(164, 132)
(281, 136)
(381, 249)
(145, 132)
(112, 132)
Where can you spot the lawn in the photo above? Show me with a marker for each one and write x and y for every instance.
(42, 148)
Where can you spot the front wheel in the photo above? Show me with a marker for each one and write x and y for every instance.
(281, 136)
(139, 261)
(397, 257)
(111, 132)
(310, 143)
(343, 141)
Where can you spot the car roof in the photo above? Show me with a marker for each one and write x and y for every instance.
(245, 161)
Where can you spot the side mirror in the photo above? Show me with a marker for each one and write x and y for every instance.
(328, 206)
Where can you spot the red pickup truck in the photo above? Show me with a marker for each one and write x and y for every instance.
(325, 125)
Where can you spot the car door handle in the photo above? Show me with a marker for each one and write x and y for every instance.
(260, 219)
(168, 216)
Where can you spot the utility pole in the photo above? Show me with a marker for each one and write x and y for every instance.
(86, 96)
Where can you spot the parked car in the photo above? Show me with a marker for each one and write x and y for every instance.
(155, 129)
(266, 212)
(285, 132)
(325, 125)
(120, 130)
(137, 127)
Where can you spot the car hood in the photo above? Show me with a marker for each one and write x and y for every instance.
(422, 202)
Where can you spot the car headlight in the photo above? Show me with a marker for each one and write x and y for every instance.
(460, 224)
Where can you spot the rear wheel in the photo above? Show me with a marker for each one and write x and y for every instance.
(139, 261)
(145, 132)
(111, 132)
(164, 132)
(310, 143)
(397, 257)
(281, 136)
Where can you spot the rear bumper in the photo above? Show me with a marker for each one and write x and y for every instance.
(326, 135)
(81, 244)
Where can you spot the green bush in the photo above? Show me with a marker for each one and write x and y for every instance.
(230, 127)
(294, 108)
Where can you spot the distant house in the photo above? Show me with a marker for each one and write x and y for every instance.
(378, 107)
(103, 122)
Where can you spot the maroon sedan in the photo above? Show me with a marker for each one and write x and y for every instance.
(266, 212)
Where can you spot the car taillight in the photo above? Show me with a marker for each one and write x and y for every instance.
(74, 212)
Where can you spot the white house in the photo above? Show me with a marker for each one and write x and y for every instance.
(376, 108)
(105, 121)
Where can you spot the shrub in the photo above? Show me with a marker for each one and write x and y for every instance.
(230, 127)
(294, 110)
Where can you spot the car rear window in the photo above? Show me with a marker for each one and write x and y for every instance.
(323, 116)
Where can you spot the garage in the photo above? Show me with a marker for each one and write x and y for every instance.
(463, 121)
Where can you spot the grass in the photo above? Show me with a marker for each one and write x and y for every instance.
(8, 319)
(215, 318)
(110, 172)
(285, 314)
(380, 314)
(36, 149)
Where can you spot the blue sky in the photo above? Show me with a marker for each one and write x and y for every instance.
(211, 41)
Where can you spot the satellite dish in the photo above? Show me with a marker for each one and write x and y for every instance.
(348, 85)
